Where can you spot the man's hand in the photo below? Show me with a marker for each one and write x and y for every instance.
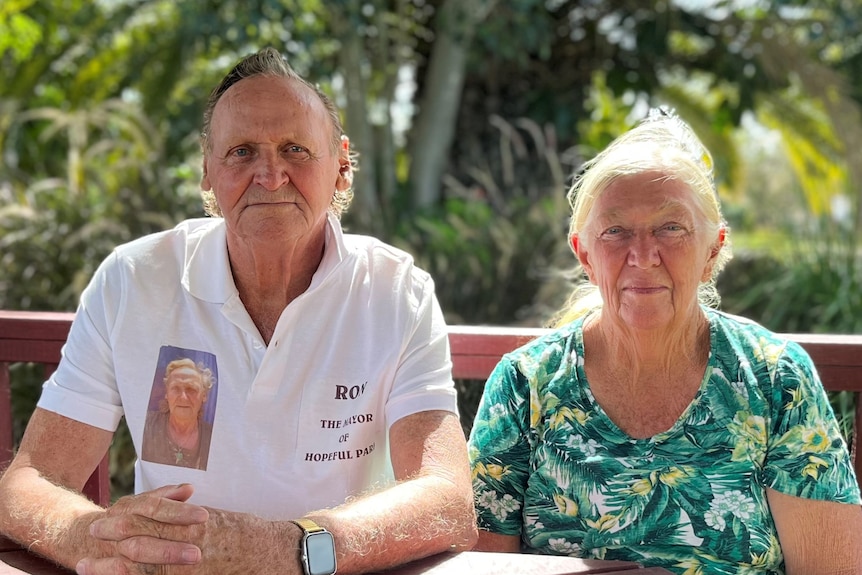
(152, 529)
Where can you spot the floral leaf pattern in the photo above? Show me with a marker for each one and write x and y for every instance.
(550, 466)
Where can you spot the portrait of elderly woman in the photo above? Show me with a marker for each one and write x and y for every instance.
(176, 432)
(650, 426)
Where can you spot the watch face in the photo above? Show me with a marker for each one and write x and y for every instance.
(320, 553)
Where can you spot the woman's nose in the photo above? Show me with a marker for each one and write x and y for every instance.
(643, 252)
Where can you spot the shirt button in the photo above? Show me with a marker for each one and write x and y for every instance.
(258, 345)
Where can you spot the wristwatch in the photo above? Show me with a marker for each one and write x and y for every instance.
(318, 548)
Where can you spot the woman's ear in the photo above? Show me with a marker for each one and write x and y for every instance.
(719, 242)
(713, 254)
(582, 254)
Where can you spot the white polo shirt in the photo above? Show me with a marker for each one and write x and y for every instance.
(298, 425)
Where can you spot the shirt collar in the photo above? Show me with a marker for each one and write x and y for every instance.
(206, 268)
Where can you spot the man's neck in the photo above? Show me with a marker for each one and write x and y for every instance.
(268, 279)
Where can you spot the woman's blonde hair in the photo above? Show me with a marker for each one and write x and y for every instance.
(206, 375)
(661, 143)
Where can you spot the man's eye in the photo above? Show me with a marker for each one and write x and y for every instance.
(241, 152)
(294, 149)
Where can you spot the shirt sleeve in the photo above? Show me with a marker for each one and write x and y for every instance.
(806, 453)
(423, 380)
(84, 386)
(501, 433)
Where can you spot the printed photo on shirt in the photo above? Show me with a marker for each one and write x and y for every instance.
(182, 406)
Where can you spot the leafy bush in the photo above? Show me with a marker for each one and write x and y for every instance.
(487, 266)
(54, 231)
(490, 268)
(813, 286)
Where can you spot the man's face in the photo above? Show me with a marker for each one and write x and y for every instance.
(185, 394)
(272, 162)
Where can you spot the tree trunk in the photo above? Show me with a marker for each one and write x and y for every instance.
(388, 62)
(358, 128)
(438, 110)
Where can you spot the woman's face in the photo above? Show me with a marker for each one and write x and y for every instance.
(185, 394)
(647, 246)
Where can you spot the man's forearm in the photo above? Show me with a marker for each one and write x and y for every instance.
(413, 519)
(239, 543)
(48, 519)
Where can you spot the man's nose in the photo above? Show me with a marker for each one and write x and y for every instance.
(643, 251)
(271, 171)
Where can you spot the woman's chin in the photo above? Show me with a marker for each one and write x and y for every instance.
(647, 319)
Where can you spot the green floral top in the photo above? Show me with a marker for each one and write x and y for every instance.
(550, 466)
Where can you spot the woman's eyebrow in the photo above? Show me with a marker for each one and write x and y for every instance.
(672, 204)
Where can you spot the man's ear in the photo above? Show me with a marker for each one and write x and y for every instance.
(582, 254)
(205, 180)
(345, 166)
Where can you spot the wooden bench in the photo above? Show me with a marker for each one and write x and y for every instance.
(37, 337)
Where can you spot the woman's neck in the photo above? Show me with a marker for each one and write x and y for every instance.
(656, 355)
(183, 432)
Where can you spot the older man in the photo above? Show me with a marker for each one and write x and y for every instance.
(335, 436)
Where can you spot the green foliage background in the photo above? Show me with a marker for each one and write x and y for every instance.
(100, 105)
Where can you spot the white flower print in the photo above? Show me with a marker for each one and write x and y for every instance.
(499, 507)
(486, 499)
(497, 410)
(715, 520)
(728, 503)
(562, 546)
(740, 505)
(502, 507)
(588, 447)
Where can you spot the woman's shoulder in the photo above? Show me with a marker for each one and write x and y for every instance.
(757, 341)
(562, 335)
(741, 326)
(547, 350)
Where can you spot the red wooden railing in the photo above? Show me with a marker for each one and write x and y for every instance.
(37, 337)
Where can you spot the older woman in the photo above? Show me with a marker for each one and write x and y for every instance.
(649, 426)
(177, 434)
